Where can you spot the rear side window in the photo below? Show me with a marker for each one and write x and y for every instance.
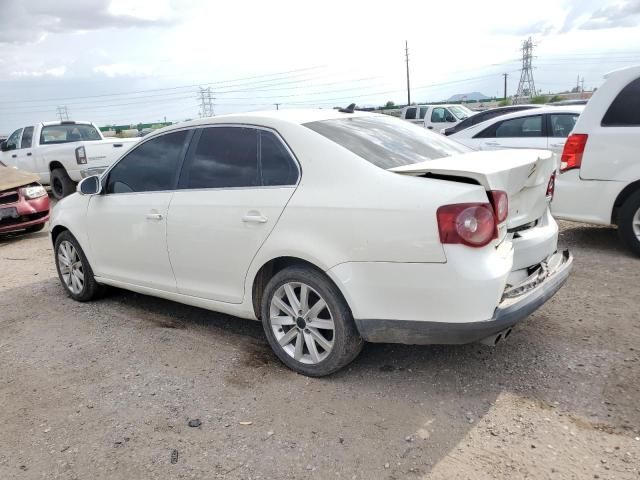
(423, 112)
(562, 124)
(276, 165)
(385, 141)
(514, 128)
(224, 157)
(150, 167)
(624, 111)
(27, 137)
(411, 113)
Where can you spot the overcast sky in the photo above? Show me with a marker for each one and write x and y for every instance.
(128, 61)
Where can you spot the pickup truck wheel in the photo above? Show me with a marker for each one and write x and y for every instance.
(61, 184)
(74, 270)
(308, 323)
(629, 223)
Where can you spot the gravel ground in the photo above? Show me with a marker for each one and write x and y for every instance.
(106, 390)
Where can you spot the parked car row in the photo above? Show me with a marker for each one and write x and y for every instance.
(62, 153)
(256, 215)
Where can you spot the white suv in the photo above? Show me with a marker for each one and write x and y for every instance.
(600, 180)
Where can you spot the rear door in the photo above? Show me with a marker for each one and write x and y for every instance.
(559, 126)
(127, 224)
(411, 114)
(234, 185)
(522, 132)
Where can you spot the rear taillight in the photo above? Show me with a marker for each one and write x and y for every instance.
(500, 203)
(472, 224)
(573, 150)
(81, 156)
(551, 187)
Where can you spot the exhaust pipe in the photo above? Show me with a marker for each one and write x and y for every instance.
(496, 338)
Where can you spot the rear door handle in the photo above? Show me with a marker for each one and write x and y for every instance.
(430, 127)
(254, 218)
(556, 144)
(14, 156)
(493, 144)
(154, 216)
(29, 154)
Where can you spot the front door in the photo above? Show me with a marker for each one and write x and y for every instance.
(10, 156)
(127, 223)
(233, 188)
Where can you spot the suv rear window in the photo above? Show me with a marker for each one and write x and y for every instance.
(385, 141)
(624, 111)
(53, 134)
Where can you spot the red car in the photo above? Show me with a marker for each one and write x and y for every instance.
(24, 204)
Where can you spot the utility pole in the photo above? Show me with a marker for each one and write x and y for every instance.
(406, 57)
(582, 85)
(277, 106)
(505, 75)
(526, 86)
(63, 112)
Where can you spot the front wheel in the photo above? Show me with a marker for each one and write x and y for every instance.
(74, 270)
(629, 223)
(308, 322)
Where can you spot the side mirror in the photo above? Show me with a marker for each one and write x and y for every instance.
(90, 186)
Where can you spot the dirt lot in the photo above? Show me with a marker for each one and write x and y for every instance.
(105, 390)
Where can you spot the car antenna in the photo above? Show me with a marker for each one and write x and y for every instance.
(350, 109)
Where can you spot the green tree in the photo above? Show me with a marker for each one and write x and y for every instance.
(540, 99)
(389, 104)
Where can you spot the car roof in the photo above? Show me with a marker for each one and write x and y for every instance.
(65, 122)
(268, 117)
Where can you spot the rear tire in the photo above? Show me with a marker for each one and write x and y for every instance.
(74, 270)
(629, 222)
(61, 183)
(322, 338)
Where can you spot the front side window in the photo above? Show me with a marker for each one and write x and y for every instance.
(12, 141)
(562, 124)
(460, 112)
(67, 133)
(225, 157)
(27, 137)
(385, 141)
(411, 113)
(276, 165)
(150, 167)
(438, 115)
(624, 111)
(514, 128)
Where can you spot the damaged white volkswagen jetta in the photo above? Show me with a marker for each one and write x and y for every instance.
(331, 227)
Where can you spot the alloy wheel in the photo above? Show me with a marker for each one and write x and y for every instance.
(302, 323)
(635, 224)
(71, 268)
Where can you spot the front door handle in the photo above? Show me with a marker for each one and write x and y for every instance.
(14, 156)
(556, 145)
(154, 216)
(254, 218)
(493, 144)
(29, 154)
(430, 127)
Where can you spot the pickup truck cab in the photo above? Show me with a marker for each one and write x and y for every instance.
(436, 117)
(62, 153)
(599, 181)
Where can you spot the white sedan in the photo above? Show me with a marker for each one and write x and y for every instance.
(542, 128)
(332, 228)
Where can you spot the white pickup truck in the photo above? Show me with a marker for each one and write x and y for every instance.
(62, 153)
(436, 117)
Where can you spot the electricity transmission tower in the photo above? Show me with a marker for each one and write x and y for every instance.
(526, 86)
(206, 102)
(63, 112)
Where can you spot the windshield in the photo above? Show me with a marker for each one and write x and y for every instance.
(461, 112)
(68, 133)
(386, 141)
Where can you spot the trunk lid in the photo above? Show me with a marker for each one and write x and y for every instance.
(523, 174)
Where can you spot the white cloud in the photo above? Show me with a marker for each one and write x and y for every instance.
(56, 72)
(122, 70)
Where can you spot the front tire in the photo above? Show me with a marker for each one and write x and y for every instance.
(61, 183)
(629, 223)
(74, 270)
(308, 323)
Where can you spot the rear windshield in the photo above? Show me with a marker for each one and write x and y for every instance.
(386, 141)
(68, 133)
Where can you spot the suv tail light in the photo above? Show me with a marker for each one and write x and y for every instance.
(81, 156)
(500, 202)
(471, 224)
(551, 187)
(572, 152)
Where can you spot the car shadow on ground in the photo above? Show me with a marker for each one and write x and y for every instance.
(14, 237)
(580, 236)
